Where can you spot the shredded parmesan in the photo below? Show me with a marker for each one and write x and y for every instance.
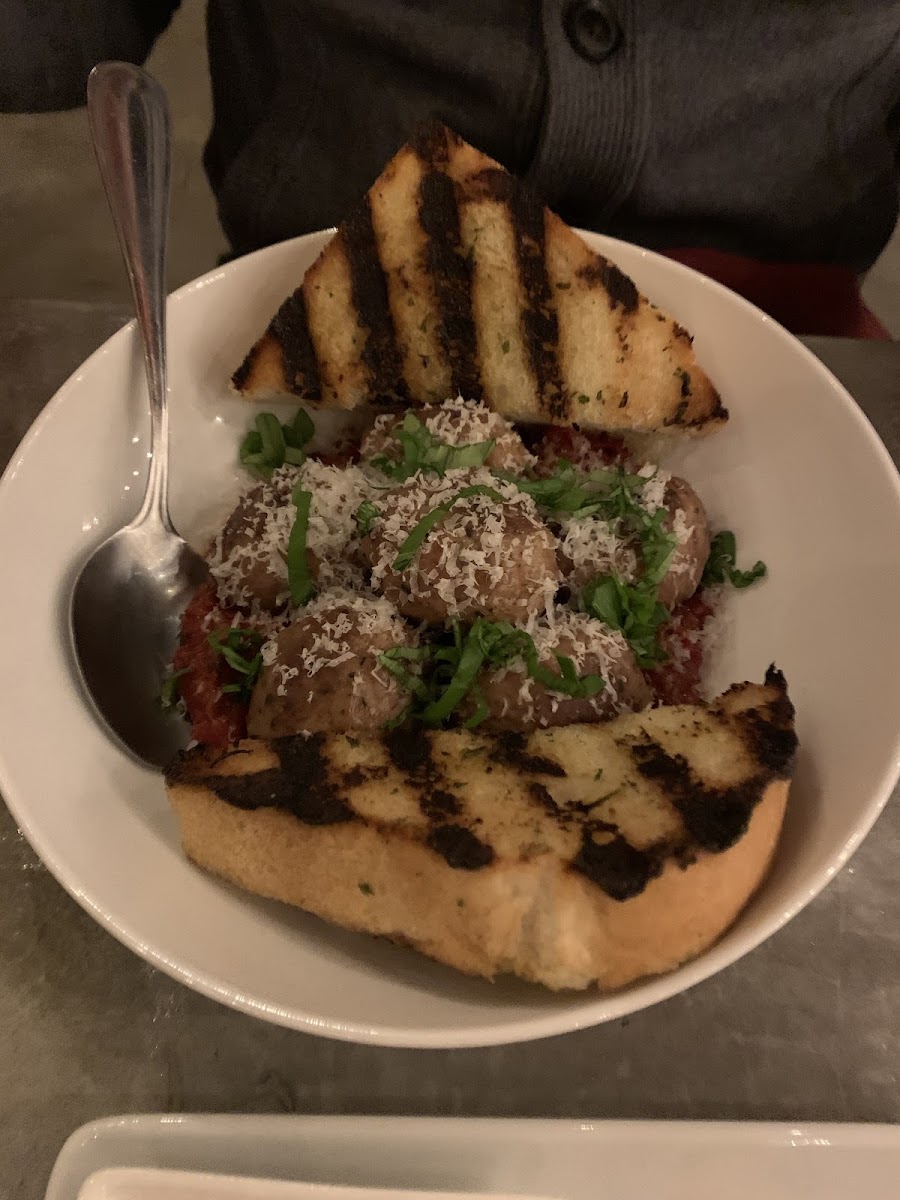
(653, 492)
(481, 547)
(264, 519)
(457, 422)
(594, 649)
(335, 624)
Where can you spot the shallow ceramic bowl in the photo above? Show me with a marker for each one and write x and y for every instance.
(798, 474)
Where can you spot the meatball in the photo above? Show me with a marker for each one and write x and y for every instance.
(589, 547)
(249, 557)
(518, 703)
(592, 546)
(485, 558)
(455, 423)
(321, 674)
(687, 520)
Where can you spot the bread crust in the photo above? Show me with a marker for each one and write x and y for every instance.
(498, 856)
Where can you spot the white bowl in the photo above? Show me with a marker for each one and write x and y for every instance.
(148, 1183)
(798, 474)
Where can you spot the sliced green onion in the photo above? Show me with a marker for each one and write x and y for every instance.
(299, 579)
(423, 527)
(271, 444)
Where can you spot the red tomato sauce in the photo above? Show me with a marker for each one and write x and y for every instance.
(586, 450)
(216, 719)
(677, 681)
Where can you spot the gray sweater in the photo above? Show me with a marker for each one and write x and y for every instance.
(767, 127)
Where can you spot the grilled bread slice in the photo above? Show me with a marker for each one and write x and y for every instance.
(450, 278)
(588, 854)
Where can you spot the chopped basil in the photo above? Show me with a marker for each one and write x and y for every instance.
(633, 609)
(299, 579)
(271, 444)
(391, 661)
(423, 527)
(236, 646)
(721, 564)
(170, 693)
(611, 495)
(422, 451)
(450, 671)
(607, 493)
(365, 516)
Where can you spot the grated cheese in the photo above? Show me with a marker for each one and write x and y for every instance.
(457, 422)
(336, 621)
(594, 649)
(480, 547)
(267, 517)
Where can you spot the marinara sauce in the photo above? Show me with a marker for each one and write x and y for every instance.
(217, 718)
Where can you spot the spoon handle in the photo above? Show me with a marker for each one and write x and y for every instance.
(129, 120)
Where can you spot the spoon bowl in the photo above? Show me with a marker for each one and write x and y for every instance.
(128, 598)
(125, 616)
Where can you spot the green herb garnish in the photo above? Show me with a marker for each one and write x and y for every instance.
(170, 693)
(611, 495)
(422, 451)
(392, 660)
(424, 526)
(633, 609)
(721, 564)
(606, 493)
(299, 579)
(271, 444)
(236, 647)
(365, 516)
(450, 671)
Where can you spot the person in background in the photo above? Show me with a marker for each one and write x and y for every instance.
(756, 140)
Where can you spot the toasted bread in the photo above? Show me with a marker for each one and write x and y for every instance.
(588, 854)
(450, 278)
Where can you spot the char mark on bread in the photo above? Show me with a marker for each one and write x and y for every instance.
(381, 354)
(451, 278)
(580, 855)
(451, 273)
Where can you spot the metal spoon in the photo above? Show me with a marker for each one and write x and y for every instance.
(129, 595)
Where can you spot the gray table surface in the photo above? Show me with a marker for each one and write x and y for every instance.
(805, 1028)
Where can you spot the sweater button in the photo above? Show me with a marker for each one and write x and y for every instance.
(592, 29)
